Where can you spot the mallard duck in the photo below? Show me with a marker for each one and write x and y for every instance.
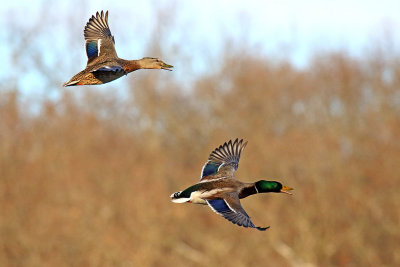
(103, 64)
(221, 191)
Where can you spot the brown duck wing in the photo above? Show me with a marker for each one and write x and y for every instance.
(230, 208)
(223, 161)
(99, 40)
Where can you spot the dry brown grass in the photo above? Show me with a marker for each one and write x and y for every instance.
(86, 182)
(86, 189)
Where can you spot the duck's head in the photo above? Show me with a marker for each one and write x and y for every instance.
(154, 63)
(263, 186)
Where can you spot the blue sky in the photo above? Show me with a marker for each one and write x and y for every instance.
(297, 26)
(278, 29)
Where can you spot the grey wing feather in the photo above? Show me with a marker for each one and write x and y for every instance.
(97, 27)
(231, 209)
(224, 159)
(99, 40)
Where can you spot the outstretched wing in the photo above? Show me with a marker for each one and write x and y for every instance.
(99, 40)
(230, 209)
(224, 159)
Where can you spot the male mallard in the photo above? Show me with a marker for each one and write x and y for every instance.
(221, 191)
(103, 64)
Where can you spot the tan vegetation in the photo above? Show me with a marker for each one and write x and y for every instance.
(85, 181)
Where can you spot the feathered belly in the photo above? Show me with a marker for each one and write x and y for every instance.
(200, 197)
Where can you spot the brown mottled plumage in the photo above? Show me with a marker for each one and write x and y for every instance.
(103, 64)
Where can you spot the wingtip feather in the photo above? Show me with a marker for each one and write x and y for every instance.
(262, 228)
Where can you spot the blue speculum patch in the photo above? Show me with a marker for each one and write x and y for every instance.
(219, 205)
(111, 68)
(210, 168)
(91, 49)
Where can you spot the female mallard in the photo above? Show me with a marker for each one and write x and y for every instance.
(103, 64)
(221, 191)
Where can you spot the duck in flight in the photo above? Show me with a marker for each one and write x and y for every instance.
(103, 64)
(221, 191)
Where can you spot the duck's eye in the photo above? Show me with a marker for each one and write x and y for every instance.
(177, 194)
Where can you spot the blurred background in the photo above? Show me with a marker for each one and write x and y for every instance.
(86, 172)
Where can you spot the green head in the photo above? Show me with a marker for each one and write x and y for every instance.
(263, 186)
